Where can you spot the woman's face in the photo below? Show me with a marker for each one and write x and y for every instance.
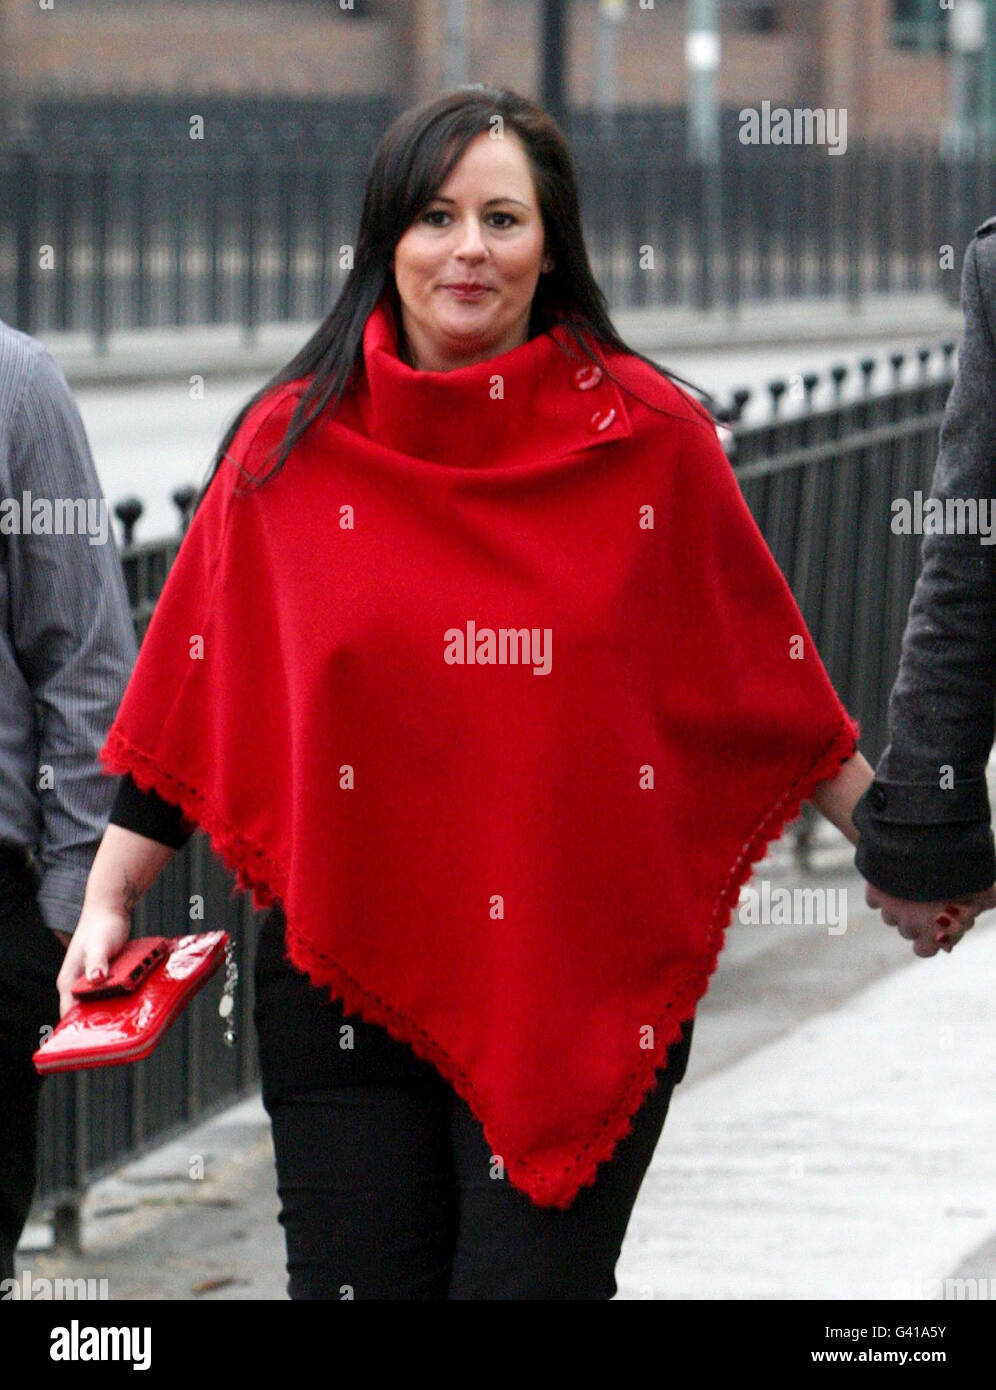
(484, 227)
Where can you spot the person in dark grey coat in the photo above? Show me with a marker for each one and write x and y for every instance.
(926, 843)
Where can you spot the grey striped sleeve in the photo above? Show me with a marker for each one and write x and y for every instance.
(70, 633)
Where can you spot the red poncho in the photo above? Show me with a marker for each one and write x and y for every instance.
(497, 688)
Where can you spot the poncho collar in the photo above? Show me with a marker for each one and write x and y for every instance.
(563, 403)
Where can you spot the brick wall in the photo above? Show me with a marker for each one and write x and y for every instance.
(834, 53)
(255, 47)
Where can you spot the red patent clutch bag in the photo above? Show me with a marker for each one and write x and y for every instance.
(123, 1017)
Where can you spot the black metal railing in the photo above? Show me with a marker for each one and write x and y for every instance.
(821, 484)
(93, 1121)
(251, 225)
(820, 481)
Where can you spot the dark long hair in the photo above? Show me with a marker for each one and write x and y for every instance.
(412, 161)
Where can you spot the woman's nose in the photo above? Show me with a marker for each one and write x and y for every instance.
(470, 241)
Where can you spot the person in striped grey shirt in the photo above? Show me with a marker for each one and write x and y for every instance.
(67, 647)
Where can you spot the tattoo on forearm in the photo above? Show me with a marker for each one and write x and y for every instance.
(131, 895)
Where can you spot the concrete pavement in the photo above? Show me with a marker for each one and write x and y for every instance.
(154, 1233)
(851, 1158)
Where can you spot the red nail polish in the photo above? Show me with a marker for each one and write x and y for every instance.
(944, 921)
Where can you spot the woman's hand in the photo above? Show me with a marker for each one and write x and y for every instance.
(98, 938)
(125, 866)
(933, 926)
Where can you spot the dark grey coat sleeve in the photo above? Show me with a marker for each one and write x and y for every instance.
(921, 838)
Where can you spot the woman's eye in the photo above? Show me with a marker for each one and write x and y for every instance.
(440, 212)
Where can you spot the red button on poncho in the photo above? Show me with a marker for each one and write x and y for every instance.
(497, 688)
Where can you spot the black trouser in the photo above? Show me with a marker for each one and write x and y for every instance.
(30, 957)
(384, 1174)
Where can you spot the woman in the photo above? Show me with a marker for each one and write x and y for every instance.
(534, 698)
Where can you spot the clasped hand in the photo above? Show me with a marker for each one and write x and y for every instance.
(933, 926)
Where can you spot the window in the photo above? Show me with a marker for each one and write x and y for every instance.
(753, 16)
(920, 24)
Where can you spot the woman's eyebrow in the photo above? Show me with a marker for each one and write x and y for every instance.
(439, 199)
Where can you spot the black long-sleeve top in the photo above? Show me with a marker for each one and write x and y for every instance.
(147, 813)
